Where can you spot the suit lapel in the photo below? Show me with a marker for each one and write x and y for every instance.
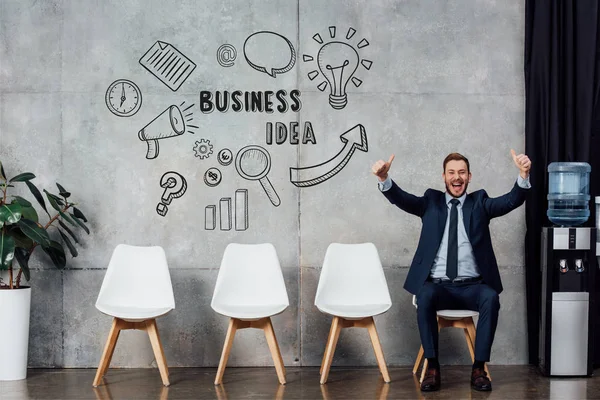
(442, 216)
(467, 211)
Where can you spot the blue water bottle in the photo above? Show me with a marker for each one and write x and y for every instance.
(569, 193)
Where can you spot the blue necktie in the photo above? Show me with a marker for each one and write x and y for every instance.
(452, 259)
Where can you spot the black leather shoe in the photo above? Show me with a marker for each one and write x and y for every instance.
(431, 381)
(480, 381)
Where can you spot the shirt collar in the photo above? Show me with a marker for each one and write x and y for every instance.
(461, 198)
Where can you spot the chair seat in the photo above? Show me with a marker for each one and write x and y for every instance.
(133, 313)
(456, 314)
(249, 311)
(350, 311)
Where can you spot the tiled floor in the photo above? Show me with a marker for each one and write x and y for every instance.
(509, 382)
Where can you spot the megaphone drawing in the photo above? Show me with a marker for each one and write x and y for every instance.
(167, 124)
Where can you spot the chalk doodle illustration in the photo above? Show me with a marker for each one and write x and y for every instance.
(226, 55)
(269, 52)
(212, 177)
(254, 163)
(337, 61)
(240, 213)
(241, 209)
(123, 98)
(210, 217)
(168, 64)
(170, 123)
(175, 186)
(225, 157)
(354, 139)
(203, 149)
(280, 133)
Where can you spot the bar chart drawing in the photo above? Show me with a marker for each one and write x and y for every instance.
(226, 218)
(241, 209)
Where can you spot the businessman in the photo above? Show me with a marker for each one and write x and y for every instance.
(454, 266)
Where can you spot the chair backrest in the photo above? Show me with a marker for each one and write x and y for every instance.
(352, 274)
(137, 277)
(250, 274)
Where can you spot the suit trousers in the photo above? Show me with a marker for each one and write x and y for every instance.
(475, 296)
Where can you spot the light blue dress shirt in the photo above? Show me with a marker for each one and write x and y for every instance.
(467, 267)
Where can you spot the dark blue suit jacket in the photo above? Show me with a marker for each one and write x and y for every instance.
(478, 209)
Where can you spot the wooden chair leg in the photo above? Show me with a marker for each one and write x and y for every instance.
(330, 349)
(425, 365)
(331, 329)
(378, 350)
(109, 349)
(159, 353)
(470, 345)
(275, 352)
(226, 350)
(418, 360)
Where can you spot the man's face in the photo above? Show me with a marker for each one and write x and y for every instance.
(456, 177)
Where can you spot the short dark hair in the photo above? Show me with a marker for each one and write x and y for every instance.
(456, 157)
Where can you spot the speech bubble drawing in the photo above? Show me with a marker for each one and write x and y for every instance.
(269, 52)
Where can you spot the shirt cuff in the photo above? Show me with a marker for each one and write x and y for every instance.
(523, 183)
(385, 185)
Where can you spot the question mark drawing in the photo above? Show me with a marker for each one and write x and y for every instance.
(175, 186)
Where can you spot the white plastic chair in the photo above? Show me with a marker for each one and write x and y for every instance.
(353, 289)
(250, 290)
(136, 290)
(452, 319)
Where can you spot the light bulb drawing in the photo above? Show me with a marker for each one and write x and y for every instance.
(338, 61)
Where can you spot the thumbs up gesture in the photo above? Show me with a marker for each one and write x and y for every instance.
(380, 168)
(522, 162)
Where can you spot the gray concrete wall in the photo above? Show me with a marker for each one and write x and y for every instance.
(445, 76)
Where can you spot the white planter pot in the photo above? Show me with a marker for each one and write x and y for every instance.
(14, 333)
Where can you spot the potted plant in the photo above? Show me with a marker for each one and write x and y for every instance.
(21, 232)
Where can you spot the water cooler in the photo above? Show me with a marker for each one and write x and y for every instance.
(568, 272)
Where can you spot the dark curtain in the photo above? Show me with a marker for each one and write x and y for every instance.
(562, 118)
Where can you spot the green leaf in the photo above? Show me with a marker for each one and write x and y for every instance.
(10, 214)
(21, 240)
(66, 228)
(29, 213)
(67, 218)
(62, 191)
(2, 174)
(38, 196)
(82, 225)
(7, 250)
(24, 177)
(55, 201)
(56, 253)
(70, 245)
(34, 232)
(79, 214)
(22, 257)
(23, 202)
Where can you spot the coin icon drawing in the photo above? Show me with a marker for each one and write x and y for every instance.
(225, 157)
(226, 55)
(212, 177)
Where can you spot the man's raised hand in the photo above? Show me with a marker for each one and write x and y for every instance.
(522, 162)
(380, 168)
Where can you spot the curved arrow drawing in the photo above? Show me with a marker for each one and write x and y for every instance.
(354, 138)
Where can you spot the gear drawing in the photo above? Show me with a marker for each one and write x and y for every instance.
(203, 149)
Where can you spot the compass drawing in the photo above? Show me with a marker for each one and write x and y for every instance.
(123, 98)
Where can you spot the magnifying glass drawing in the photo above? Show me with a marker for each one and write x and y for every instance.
(254, 163)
